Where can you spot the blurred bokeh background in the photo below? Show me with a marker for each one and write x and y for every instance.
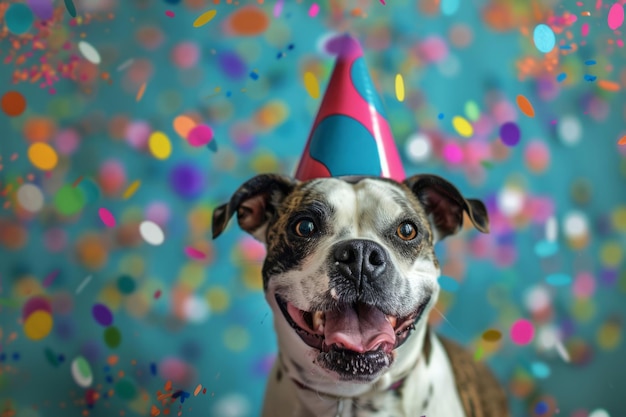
(124, 122)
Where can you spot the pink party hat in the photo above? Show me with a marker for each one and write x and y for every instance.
(351, 134)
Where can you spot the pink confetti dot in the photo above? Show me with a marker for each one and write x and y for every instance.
(200, 135)
(194, 253)
(169, 13)
(314, 9)
(453, 153)
(106, 217)
(522, 332)
(616, 16)
(584, 30)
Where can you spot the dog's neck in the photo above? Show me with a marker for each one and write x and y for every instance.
(326, 403)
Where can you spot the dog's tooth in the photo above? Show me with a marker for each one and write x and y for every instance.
(318, 321)
(392, 320)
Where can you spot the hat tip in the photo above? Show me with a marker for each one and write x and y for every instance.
(344, 44)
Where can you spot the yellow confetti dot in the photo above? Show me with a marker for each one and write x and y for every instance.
(583, 310)
(609, 335)
(132, 188)
(611, 254)
(311, 84)
(42, 156)
(462, 126)
(218, 299)
(160, 145)
(399, 87)
(236, 338)
(619, 219)
(38, 325)
(204, 18)
(192, 275)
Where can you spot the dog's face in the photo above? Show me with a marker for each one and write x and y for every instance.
(350, 270)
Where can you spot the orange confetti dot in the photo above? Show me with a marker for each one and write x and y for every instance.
(142, 90)
(608, 85)
(13, 103)
(168, 385)
(197, 390)
(525, 106)
(154, 411)
(622, 141)
(42, 156)
(39, 129)
(249, 21)
(183, 125)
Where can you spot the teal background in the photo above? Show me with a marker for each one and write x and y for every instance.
(263, 128)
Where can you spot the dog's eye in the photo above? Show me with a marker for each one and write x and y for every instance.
(406, 231)
(305, 228)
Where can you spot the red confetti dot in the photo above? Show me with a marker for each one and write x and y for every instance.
(194, 253)
(13, 103)
(157, 294)
(169, 13)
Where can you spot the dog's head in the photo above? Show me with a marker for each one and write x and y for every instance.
(350, 270)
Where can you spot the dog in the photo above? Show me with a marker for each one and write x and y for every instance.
(351, 275)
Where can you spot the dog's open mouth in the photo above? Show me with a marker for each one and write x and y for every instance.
(358, 328)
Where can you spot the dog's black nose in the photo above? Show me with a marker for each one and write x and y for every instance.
(360, 259)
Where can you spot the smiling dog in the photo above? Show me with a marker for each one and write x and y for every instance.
(351, 276)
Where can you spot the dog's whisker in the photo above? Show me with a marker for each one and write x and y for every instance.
(447, 321)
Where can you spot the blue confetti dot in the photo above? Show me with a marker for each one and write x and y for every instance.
(440, 116)
(448, 284)
(541, 408)
(565, 47)
(540, 370)
(545, 248)
(16, 356)
(590, 78)
(3, 356)
(561, 77)
(291, 46)
(544, 38)
(153, 368)
(590, 62)
(254, 75)
(558, 280)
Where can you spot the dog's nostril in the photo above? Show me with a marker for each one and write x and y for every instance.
(376, 258)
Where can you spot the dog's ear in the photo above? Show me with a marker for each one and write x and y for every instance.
(444, 205)
(254, 202)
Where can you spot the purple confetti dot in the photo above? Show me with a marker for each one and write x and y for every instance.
(187, 180)
(510, 134)
(102, 315)
(232, 65)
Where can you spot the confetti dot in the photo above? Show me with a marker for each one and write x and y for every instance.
(71, 9)
(615, 17)
(558, 280)
(195, 309)
(112, 337)
(599, 413)
(183, 125)
(126, 389)
(38, 325)
(544, 38)
(449, 7)
(200, 135)
(13, 103)
(34, 304)
(81, 372)
(522, 332)
(160, 145)
(169, 13)
(19, 18)
(151, 233)
(569, 130)
(492, 335)
(525, 106)
(448, 284)
(204, 18)
(418, 148)
(126, 284)
(102, 314)
(30, 198)
(545, 248)
(472, 111)
(42, 156)
(69, 200)
(510, 134)
(89, 52)
(43, 9)
(194, 253)
(311, 84)
(541, 408)
(399, 87)
(131, 190)
(106, 217)
(248, 21)
(314, 10)
(561, 77)
(462, 126)
(540, 370)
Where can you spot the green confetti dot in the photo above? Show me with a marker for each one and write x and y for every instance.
(112, 337)
(472, 111)
(126, 284)
(126, 389)
(69, 200)
(51, 357)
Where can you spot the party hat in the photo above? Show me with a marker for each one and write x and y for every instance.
(351, 134)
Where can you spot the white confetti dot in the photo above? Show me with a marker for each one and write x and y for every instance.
(548, 337)
(570, 130)
(233, 405)
(418, 148)
(537, 299)
(510, 201)
(599, 413)
(575, 225)
(151, 233)
(552, 229)
(196, 309)
(30, 197)
(89, 52)
(450, 66)
(81, 372)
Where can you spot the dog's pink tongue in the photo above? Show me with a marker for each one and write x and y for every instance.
(362, 329)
